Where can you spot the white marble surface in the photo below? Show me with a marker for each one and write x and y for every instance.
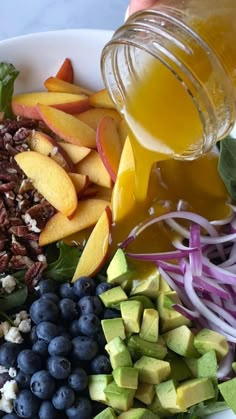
(20, 17)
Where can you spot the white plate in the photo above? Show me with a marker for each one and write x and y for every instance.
(39, 56)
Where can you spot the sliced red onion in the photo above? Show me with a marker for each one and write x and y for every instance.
(174, 287)
(195, 259)
(222, 275)
(223, 222)
(211, 286)
(221, 312)
(225, 367)
(189, 314)
(170, 267)
(222, 332)
(175, 254)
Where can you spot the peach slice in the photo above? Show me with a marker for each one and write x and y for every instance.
(109, 146)
(53, 84)
(59, 226)
(44, 144)
(66, 71)
(68, 127)
(101, 99)
(25, 105)
(93, 117)
(93, 166)
(80, 182)
(123, 131)
(50, 179)
(76, 153)
(96, 248)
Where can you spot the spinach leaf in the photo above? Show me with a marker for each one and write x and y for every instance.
(8, 74)
(15, 299)
(63, 268)
(203, 409)
(227, 164)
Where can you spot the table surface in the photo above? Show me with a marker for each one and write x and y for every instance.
(28, 16)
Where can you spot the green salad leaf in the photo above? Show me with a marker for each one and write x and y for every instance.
(15, 299)
(203, 409)
(227, 164)
(63, 268)
(8, 74)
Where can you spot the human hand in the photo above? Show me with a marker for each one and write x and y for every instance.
(136, 5)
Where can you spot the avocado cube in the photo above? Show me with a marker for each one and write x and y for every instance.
(207, 339)
(126, 377)
(151, 370)
(228, 391)
(157, 409)
(194, 391)
(139, 347)
(167, 395)
(179, 369)
(150, 325)
(145, 393)
(180, 340)
(112, 328)
(207, 365)
(118, 397)
(113, 296)
(145, 301)
(138, 413)
(108, 413)
(170, 318)
(192, 366)
(131, 312)
(148, 287)
(163, 286)
(118, 270)
(119, 354)
(97, 384)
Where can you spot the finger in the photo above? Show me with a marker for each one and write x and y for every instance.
(136, 5)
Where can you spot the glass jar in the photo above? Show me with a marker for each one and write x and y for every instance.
(195, 41)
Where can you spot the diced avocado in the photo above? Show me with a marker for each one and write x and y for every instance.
(126, 377)
(180, 340)
(112, 328)
(145, 393)
(119, 354)
(139, 347)
(179, 369)
(97, 384)
(149, 286)
(113, 296)
(194, 391)
(228, 391)
(170, 318)
(207, 365)
(137, 414)
(119, 398)
(150, 325)
(118, 270)
(151, 370)
(192, 365)
(163, 286)
(131, 312)
(145, 301)
(167, 395)
(127, 285)
(156, 408)
(234, 366)
(207, 339)
(108, 413)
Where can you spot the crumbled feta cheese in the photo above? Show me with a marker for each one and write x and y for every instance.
(8, 283)
(12, 372)
(6, 405)
(22, 315)
(42, 258)
(9, 390)
(25, 326)
(14, 336)
(31, 223)
(3, 369)
(4, 328)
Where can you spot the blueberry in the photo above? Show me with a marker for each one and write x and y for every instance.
(90, 304)
(26, 404)
(47, 410)
(82, 409)
(23, 380)
(85, 348)
(59, 367)
(63, 398)
(41, 347)
(68, 309)
(33, 335)
(44, 310)
(8, 354)
(101, 365)
(74, 328)
(47, 285)
(89, 324)
(29, 362)
(51, 296)
(42, 385)
(84, 286)
(110, 313)
(101, 340)
(10, 416)
(4, 377)
(103, 287)
(60, 345)
(78, 379)
(46, 331)
(66, 291)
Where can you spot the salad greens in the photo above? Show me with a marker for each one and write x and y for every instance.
(227, 164)
(8, 74)
(63, 268)
(15, 299)
(202, 409)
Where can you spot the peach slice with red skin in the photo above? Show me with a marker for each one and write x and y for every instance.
(93, 117)
(25, 104)
(53, 84)
(101, 99)
(67, 127)
(80, 182)
(50, 179)
(109, 145)
(59, 226)
(44, 144)
(76, 153)
(93, 167)
(66, 71)
(96, 248)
